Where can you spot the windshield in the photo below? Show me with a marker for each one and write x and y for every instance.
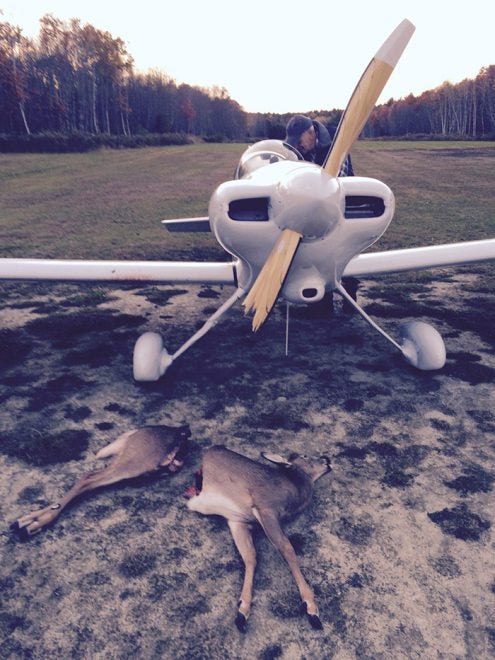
(264, 153)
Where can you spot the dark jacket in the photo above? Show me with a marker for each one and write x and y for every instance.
(324, 138)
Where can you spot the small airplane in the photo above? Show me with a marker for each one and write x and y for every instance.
(294, 230)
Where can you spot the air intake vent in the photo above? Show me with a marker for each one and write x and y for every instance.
(361, 206)
(254, 209)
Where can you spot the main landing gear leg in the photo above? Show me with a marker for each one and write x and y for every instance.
(151, 359)
(421, 344)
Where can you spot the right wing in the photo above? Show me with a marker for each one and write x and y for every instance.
(166, 272)
(433, 256)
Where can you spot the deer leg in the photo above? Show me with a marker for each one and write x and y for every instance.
(244, 543)
(274, 532)
(34, 522)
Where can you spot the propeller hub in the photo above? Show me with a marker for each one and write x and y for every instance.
(311, 203)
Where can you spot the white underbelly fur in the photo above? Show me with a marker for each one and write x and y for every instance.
(213, 504)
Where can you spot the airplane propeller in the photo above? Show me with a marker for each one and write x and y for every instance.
(265, 290)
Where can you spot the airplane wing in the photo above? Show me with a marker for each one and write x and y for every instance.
(434, 256)
(68, 270)
(180, 272)
(183, 272)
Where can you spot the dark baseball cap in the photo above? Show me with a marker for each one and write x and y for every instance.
(296, 127)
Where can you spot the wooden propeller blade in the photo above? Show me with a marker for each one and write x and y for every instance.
(365, 95)
(265, 290)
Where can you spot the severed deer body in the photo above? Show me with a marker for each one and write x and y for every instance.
(135, 453)
(245, 492)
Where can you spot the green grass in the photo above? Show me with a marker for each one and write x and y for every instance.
(428, 145)
(108, 204)
(444, 191)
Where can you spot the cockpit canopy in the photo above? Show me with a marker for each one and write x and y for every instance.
(264, 153)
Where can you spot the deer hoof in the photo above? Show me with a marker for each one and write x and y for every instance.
(313, 619)
(241, 622)
(315, 622)
(23, 533)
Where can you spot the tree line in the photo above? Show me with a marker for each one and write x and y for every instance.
(462, 111)
(74, 79)
(465, 110)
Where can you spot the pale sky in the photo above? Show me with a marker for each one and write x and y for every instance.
(282, 55)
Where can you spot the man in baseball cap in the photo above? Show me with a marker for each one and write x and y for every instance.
(313, 141)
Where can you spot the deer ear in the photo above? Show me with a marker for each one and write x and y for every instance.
(276, 458)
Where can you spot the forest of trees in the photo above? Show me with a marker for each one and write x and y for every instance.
(462, 111)
(465, 110)
(76, 79)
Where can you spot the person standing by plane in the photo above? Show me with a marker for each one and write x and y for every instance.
(313, 140)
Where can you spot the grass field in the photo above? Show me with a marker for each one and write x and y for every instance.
(110, 203)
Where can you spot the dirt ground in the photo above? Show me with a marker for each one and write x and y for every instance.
(398, 542)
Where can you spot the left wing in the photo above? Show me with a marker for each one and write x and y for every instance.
(434, 256)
